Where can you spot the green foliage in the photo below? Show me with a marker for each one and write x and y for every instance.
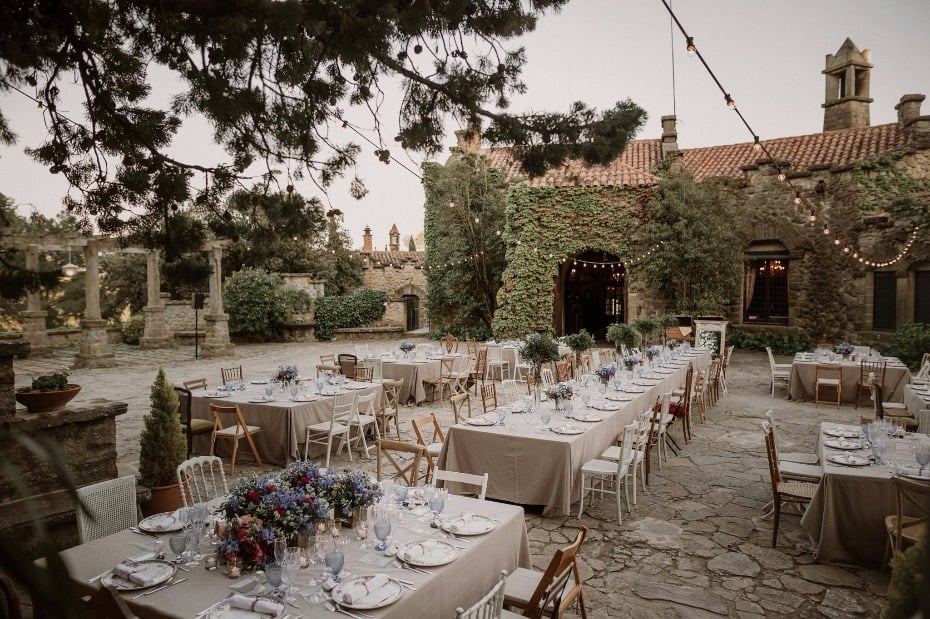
(646, 326)
(907, 591)
(546, 225)
(881, 185)
(621, 333)
(124, 285)
(259, 304)
(539, 349)
(780, 343)
(476, 332)
(270, 77)
(465, 202)
(53, 381)
(697, 257)
(909, 343)
(345, 312)
(580, 342)
(133, 329)
(162, 444)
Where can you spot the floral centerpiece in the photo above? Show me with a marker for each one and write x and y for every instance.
(844, 349)
(406, 347)
(606, 372)
(247, 542)
(285, 374)
(347, 490)
(561, 391)
(653, 351)
(630, 362)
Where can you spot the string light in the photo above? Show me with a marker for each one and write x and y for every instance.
(797, 197)
(730, 102)
(782, 177)
(757, 145)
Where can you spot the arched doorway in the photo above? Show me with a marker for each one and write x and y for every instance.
(593, 292)
(412, 311)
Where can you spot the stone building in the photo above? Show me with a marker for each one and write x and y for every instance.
(400, 274)
(855, 271)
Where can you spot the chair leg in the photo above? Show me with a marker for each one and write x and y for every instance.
(258, 458)
(777, 516)
(232, 465)
(581, 500)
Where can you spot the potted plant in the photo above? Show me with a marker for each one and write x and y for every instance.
(163, 448)
(579, 343)
(539, 349)
(621, 334)
(645, 326)
(48, 393)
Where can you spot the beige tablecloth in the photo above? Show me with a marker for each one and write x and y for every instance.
(528, 465)
(803, 376)
(916, 398)
(460, 583)
(846, 518)
(283, 422)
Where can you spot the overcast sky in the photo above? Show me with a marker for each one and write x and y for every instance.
(768, 55)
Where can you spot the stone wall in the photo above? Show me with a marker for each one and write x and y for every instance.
(397, 280)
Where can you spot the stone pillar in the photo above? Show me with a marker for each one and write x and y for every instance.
(95, 349)
(216, 323)
(156, 333)
(8, 350)
(35, 330)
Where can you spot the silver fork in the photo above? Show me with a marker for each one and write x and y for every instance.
(405, 566)
(333, 607)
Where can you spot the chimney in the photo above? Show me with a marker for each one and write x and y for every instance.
(366, 240)
(846, 98)
(394, 238)
(468, 140)
(669, 135)
(909, 117)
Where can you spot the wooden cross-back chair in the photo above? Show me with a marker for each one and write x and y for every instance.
(404, 458)
(912, 497)
(458, 401)
(451, 343)
(197, 383)
(229, 374)
(433, 446)
(235, 433)
(390, 408)
(536, 594)
(327, 364)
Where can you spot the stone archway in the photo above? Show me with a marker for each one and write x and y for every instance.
(591, 293)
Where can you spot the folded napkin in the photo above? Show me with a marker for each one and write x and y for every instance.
(913, 471)
(842, 442)
(363, 592)
(429, 548)
(257, 605)
(134, 573)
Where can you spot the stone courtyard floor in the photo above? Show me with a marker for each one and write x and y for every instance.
(696, 544)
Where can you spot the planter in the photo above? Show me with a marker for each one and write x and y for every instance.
(164, 499)
(46, 401)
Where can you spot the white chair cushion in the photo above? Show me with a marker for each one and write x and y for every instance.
(800, 458)
(522, 583)
(828, 381)
(234, 431)
(434, 448)
(803, 472)
(601, 467)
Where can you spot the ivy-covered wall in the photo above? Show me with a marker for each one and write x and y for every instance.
(548, 225)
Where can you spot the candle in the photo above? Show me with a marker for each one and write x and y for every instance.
(210, 563)
(234, 570)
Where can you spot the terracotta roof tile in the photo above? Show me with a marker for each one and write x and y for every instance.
(635, 165)
(397, 258)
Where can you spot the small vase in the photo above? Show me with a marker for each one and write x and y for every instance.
(559, 404)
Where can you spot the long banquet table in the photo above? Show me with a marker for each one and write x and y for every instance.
(529, 465)
(804, 371)
(846, 518)
(459, 583)
(283, 422)
(916, 398)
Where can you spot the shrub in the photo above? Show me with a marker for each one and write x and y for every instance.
(646, 327)
(907, 582)
(909, 343)
(55, 381)
(781, 344)
(259, 304)
(162, 444)
(133, 329)
(345, 312)
(580, 342)
(476, 332)
(621, 333)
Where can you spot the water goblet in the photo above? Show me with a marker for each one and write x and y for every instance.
(193, 541)
(293, 389)
(382, 528)
(400, 493)
(273, 574)
(568, 407)
(437, 502)
(269, 391)
(280, 546)
(319, 386)
(334, 560)
(178, 543)
(545, 415)
(602, 388)
(501, 414)
(586, 399)
(159, 550)
(361, 526)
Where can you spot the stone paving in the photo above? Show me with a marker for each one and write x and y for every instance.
(696, 544)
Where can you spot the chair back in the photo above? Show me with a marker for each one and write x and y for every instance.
(197, 383)
(489, 397)
(202, 479)
(361, 351)
(923, 374)
(108, 507)
(184, 412)
(562, 561)
(424, 350)
(630, 434)
(913, 506)
(347, 363)
(230, 374)
(471, 345)
(363, 374)
(871, 371)
(392, 393)
(451, 343)
(458, 401)
(495, 353)
(563, 370)
(489, 606)
(365, 405)
(771, 452)
(481, 363)
(404, 459)
(344, 408)
(377, 370)
(509, 392)
(547, 377)
(877, 395)
(424, 423)
(328, 359)
(480, 482)
(768, 349)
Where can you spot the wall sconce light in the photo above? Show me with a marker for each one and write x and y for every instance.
(69, 269)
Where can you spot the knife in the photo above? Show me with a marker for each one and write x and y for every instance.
(161, 588)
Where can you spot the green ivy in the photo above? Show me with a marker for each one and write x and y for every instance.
(260, 304)
(349, 311)
(133, 329)
(909, 343)
(881, 184)
(476, 332)
(780, 343)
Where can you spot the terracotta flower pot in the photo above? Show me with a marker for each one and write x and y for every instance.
(164, 499)
(46, 401)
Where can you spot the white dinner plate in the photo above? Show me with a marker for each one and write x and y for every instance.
(427, 553)
(848, 459)
(628, 389)
(388, 594)
(481, 421)
(159, 572)
(604, 406)
(618, 397)
(306, 398)
(261, 399)
(259, 381)
(590, 418)
(568, 429)
(216, 394)
(842, 443)
(161, 523)
(666, 372)
(840, 433)
(469, 524)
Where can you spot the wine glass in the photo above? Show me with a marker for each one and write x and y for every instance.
(437, 502)
(292, 560)
(273, 574)
(319, 385)
(269, 391)
(334, 560)
(193, 541)
(585, 398)
(294, 388)
(400, 493)
(545, 415)
(923, 457)
(501, 414)
(382, 527)
(178, 543)
(280, 546)
(361, 526)
(602, 387)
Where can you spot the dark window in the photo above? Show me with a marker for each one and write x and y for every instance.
(766, 290)
(412, 309)
(884, 301)
(922, 296)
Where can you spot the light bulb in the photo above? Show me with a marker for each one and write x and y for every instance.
(797, 198)
(836, 241)
(826, 230)
(690, 46)
(781, 176)
(845, 250)
(730, 102)
(813, 217)
(757, 145)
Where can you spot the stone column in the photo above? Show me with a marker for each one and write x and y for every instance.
(216, 323)
(95, 348)
(8, 350)
(35, 330)
(155, 334)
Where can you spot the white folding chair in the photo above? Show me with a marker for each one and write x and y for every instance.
(781, 372)
(109, 507)
(520, 367)
(478, 481)
(365, 417)
(510, 391)
(324, 432)
(496, 361)
(361, 351)
(606, 476)
(202, 479)
(488, 607)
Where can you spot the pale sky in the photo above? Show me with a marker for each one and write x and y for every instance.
(768, 55)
